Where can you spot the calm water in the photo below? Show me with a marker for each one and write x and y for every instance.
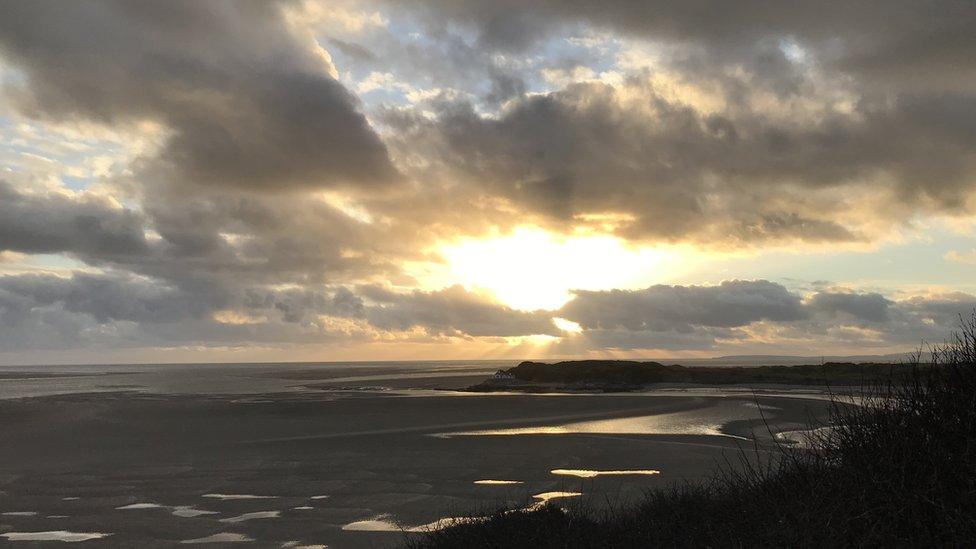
(251, 378)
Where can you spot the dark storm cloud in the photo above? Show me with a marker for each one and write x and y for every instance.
(247, 239)
(810, 105)
(299, 305)
(871, 307)
(248, 103)
(356, 51)
(904, 40)
(104, 298)
(706, 317)
(44, 312)
(116, 309)
(53, 223)
(676, 308)
(213, 244)
(941, 309)
(680, 173)
(504, 86)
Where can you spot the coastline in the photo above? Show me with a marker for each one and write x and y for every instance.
(302, 444)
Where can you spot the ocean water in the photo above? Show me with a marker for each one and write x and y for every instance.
(226, 378)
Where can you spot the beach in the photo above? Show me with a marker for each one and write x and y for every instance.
(340, 455)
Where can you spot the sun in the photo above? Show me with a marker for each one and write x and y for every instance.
(532, 269)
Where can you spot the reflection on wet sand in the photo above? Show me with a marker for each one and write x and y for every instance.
(141, 506)
(384, 523)
(806, 438)
(380, 523)
(498, 482)
(681, 423)
(252, 516)
(590, 473)
(236, 496)
(443, 523)
(59, 535)
(546, 497)
(222, 537)
(188, 511)
(182, 511)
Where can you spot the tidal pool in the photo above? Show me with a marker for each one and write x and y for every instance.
(590, 473)
(58, 535)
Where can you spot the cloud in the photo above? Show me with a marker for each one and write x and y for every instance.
(49, 312)
(88, 225)
(741, 176)
(681, 308)
(266, 202)
(247, 102)
(353, 50)
(966, 257)
(254, 125)
(454, 310)
(211, 245)
(117, 310)
(758, 125)
(701, 339)
(931, 37)
(104, 298)
(102, 310)
(871, 307)
(748, 315)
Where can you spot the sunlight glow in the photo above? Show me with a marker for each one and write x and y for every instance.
(532, 269)
(567, 325)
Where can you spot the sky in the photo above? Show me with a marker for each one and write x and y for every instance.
(448, 179)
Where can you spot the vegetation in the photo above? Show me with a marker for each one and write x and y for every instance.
(900, 470)
(629, 375)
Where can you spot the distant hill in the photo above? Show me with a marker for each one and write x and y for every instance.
(629, 374)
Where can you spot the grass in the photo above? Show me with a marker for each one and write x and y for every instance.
(899, 470)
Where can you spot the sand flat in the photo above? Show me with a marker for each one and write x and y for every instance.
(361, 456)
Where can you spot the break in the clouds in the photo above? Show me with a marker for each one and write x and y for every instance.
(288, 174)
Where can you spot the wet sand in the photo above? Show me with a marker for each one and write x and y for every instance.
(153, 470)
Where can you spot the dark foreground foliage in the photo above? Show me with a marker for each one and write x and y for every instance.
(898, 471)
